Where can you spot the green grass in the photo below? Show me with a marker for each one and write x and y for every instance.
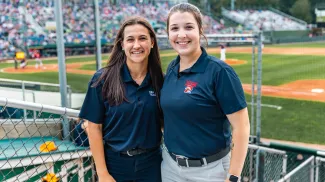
(300, 121)
(281, 69)
(277, 69)
(301, 45)
(90, 66)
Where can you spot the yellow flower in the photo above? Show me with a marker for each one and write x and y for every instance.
(48, 146)
(50, 178)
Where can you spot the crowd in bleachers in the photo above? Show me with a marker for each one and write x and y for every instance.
(19, 22)
(78, 22)
(9, 24)
(265, 20)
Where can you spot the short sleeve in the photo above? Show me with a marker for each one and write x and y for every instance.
(93, 108)
(229, 91)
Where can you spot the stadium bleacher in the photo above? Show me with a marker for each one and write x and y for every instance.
(264, 19)
(33, 23)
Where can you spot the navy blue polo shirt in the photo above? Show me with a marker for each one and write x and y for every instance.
(132, 124)
(195, 103)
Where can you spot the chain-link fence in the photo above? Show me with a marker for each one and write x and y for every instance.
(274, 164)
(34, 148)
(320, 169)
(303, 173)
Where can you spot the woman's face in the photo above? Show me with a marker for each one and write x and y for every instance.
(184, 34)
(137, 43)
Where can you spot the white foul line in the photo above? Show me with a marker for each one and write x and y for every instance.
(268, 105)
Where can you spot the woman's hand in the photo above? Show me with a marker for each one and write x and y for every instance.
(106, 178)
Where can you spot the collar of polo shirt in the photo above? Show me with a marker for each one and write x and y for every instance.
(126, 76)
(198, 67)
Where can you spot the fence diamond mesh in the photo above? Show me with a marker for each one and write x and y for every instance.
(274, 164)
(33, 148)
(303, 173)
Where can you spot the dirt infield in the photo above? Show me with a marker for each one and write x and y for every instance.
(75, 67)
(301, 89)
(70, 68)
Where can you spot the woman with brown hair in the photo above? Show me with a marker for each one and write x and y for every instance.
(122, 107)
(202, 100)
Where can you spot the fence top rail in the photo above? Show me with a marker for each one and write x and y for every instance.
(286, 177)
(223, 36)
(29, 82)
(320, 159)
(28, 120)
(270, 150)
(38, 107)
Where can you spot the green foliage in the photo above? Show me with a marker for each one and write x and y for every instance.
(301, 9)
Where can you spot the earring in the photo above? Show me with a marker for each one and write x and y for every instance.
(151, 47)
(122, 49)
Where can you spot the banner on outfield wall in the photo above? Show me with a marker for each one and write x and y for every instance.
(320, 14)
(320, 19)
(50, 25)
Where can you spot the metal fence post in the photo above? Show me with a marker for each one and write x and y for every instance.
(34, 99)
(317, 169)
(259, 90)
(284, 166)
(260, 161)
(70, 96)
(253, 90)
(251, 165)
(98, 37)
(62, 66)
(312, 170)
(24, 98)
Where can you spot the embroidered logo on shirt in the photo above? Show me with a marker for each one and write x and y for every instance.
(189, 86)
(152, 93)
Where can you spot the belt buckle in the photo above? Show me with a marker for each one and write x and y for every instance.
(181, 157)
(128, 152)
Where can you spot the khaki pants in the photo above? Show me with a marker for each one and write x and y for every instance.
(213, 172)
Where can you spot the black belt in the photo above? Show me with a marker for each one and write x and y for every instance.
(188, 162)
(138, 151)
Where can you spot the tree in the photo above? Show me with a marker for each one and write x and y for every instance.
(301, 9)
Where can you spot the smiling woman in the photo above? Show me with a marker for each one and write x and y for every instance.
(137, 45)
(202, 97)
(122, 107)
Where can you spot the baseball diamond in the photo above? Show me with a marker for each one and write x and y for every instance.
(50, 83)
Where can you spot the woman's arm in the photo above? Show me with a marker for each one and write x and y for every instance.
(240, 138)
(95, 136)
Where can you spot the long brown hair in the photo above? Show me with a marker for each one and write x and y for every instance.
(113, 88)
(190, 8)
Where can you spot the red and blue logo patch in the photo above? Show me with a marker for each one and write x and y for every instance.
(189, 86)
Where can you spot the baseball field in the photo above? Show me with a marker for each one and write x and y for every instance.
(293, 78)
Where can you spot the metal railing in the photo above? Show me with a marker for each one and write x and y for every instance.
(38, 86)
